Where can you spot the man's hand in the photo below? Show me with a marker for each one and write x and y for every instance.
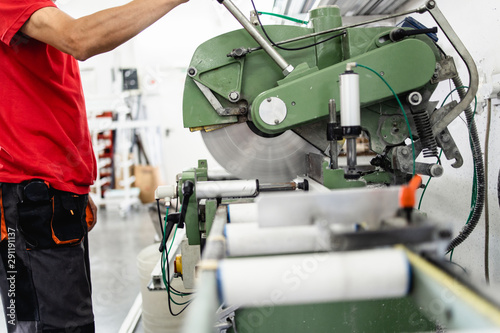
(99, 32)
(91, 212)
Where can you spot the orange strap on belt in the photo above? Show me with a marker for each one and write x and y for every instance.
(407, 195)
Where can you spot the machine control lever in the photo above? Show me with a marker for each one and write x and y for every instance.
(178, 218)
(400, 33)
(238, 15)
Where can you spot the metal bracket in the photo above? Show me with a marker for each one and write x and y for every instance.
(221, 111)
(403, 159)
(445, 70)
(225, 318)
(444, 138)
(450, 149)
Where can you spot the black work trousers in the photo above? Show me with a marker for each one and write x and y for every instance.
(44, 267)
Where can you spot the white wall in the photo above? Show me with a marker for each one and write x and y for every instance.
(163, 52)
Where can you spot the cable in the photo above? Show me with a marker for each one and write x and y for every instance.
(402, 110)
(477, 201)
(159, 218)
(165, 259)
(166, 276)
(292, 48)
(284, 17)
(486, 205)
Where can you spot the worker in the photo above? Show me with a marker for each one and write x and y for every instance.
(46, 158)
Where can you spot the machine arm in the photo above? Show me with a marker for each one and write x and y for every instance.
(441, 121)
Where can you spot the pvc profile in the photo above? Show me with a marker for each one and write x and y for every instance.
(227, 189)
(248, 239)
(314, 278)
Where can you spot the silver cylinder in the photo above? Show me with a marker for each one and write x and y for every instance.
(351, 153)
(227, 189)
(350, 115)
(432, 170)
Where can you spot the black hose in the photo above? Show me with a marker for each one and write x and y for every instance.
(479, 166)
(498, 187)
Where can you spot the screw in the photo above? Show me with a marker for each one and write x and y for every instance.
(382, 73)
(269, 100)
(293, 103)
(192, 71)
(405, 167)
(234, 96)
(404, 151)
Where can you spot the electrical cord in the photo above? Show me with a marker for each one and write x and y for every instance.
(402, 110)
(284, 17)
(477, 202)
(474, 195)
(165, 262)
(161, 224)
(486, 205)
(292, 48)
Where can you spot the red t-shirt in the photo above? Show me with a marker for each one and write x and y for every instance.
(43, 124)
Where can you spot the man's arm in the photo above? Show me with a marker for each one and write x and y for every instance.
(96, 33)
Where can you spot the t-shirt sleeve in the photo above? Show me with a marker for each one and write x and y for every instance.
(14, 13)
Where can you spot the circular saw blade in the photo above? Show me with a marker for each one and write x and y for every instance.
(247, 155)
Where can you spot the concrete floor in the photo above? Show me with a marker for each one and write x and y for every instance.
(115, 243)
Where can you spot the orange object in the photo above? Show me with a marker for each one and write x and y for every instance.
(89, 216)
(3, 226)
(407, 195)
(178, 264)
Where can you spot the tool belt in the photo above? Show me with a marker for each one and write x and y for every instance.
(50, 218)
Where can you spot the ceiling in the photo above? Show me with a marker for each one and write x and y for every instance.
(347, 7)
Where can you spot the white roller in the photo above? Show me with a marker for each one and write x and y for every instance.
(226, 189)
(242, 213)
(350, 114)
(314, 278)
(245, 239)
(348, 207)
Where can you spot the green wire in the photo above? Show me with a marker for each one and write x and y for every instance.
(285, 17)
(163, 266)
(402, 110)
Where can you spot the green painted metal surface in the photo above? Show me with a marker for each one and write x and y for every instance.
(192, 219)
(407, 66)
(334, 179)
(379, 177)
(391, 315)
(325, 18)
(252, 74)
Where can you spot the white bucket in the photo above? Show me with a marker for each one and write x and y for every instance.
(156, 317)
